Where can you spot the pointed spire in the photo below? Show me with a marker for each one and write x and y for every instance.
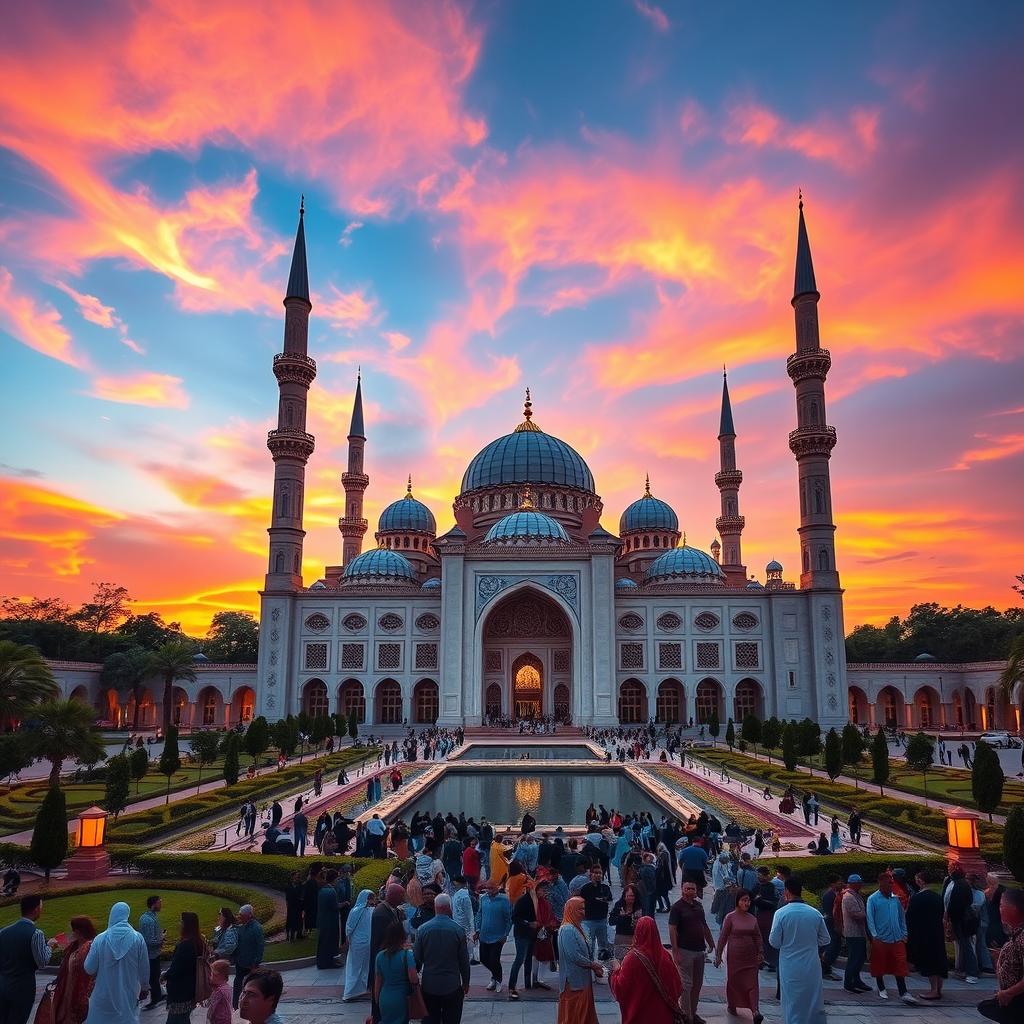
(725, 427)
(803, 283)
(527, 423)
(356, 428)
(408, 487)
(647, 486)
(298, 279)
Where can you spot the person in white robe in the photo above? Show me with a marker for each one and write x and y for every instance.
(798, 933)
(119, 962)
(357, 932)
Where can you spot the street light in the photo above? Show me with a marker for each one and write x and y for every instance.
(90, 859)
(962, 837)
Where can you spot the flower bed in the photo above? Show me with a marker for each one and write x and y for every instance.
(723, 803)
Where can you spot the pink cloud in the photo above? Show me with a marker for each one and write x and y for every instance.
(654, 14)
(39, 326)
(157, 390)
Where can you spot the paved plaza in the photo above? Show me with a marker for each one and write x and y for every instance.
(314, 997)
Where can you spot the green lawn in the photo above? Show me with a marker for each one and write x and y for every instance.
(58, 910)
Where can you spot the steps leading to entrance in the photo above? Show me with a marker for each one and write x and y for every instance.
(478, 732)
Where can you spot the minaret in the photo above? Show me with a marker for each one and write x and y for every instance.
(813, 440)
(289, 444)
(352, 524)
(730, 523)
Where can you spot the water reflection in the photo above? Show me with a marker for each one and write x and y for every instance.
(534, 752)
(553, 797)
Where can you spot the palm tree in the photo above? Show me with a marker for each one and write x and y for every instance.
(1014, 671)
(25, 680)
(129, 670)
(172, 661)
(63, 729)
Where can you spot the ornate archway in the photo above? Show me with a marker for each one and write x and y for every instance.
(527, 687)
(527, 657)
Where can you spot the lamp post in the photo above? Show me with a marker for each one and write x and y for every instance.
(90, 859)
(962, 837)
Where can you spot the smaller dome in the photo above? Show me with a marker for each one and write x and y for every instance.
(754, 585)
(380, 564)
(319, 585)
(686, 564)
(526, 525)
(773, 566)
(199, 657)
(649, 513)
(434, 583)
(625, 583)
(924, 656)
(407, 514)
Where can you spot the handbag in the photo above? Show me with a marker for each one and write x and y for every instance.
(204, 980)
(415, 1006)
(678, 1017)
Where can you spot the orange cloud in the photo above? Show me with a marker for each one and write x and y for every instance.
(992, 449)
(157, 390)
(37, 326)
(103, 316)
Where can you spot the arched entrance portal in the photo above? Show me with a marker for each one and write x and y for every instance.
(527, 660)
(527, 687)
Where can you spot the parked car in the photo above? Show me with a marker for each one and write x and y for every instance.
(999, 739)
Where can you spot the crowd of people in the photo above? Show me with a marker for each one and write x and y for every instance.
(104, 976)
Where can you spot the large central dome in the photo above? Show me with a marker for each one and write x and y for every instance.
(528, 456)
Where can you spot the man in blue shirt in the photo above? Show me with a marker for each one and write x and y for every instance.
(694, 861)
(440, 953)
(887, 927)
(493, 923)
(149, 928)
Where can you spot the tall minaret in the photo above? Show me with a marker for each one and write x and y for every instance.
(730, 523)
(289, 444)
(352, 524)
(813, 440)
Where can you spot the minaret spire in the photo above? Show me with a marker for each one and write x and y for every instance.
(290, 445)
(813, 440)
(728, 479)
(352, 524)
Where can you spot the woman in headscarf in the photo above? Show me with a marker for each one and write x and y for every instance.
(620, 851)
(499, 862)
(646, 984)
(71, 993)
(357, 931)
(119, 962)
(663, 876)
(741, 939)
(328, 939)
(723, 881)
(181, 973)
(576, 968)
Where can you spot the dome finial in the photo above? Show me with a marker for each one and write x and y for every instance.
(408, 487)
(800, 198)
(647, 486)
(527, 423)
(684, 538)
(526, 501)
(302, 203)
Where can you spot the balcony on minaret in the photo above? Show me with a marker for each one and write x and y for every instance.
(352, 524)
(811, 365)
(730, 524)
(357, 481)
(728, 478)
(295, 368)
(816, 440)
(289, 442)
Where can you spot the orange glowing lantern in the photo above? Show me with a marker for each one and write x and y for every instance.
(90, 859)
(962, 838)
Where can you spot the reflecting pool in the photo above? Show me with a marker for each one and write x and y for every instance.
(531, 752)
(553, 797)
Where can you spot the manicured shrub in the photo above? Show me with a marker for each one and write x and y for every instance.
(1013, 843)
(880, 760)
(231, 768)
(117, 785)
(270, 870)
(833, 755)
(49, 846)
(986, 778)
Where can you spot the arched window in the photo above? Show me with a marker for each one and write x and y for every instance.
(747, 700)
(210, 708)
(279, 562)
(389, 703)
(561, 702)
(353, 699)
(426, 702)
(807, 560)
(823, 558)
(669, 708)
(316, 698)
(657, 542)
(493, 699)
(632, 703)
(708, 699)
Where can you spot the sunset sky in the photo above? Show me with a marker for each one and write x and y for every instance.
(596, 200)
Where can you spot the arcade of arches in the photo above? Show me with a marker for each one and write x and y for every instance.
(670, 702)
(388, 706)
(209, 710)
(928, 709)
(527, 658)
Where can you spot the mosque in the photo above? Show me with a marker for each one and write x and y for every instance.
(530, 607)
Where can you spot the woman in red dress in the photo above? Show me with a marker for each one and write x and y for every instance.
(741, 939)
(646, 984)
(71, 993)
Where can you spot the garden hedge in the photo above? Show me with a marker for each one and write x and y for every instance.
(148, 825)
(927, 823)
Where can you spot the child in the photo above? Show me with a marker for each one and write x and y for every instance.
(218, 1009)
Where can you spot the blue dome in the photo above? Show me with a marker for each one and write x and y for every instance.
(773, 566)
(407, 514)
(625, 583)
(649, 513)
(687, 564)
(526, 525)
(528, 456)
(754, 585)
(380, 564)
(434, 583)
